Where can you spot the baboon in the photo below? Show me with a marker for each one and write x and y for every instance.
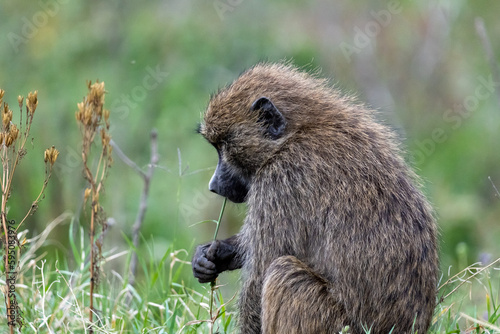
(337, 232)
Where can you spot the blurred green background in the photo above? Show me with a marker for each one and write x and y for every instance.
(421, 64)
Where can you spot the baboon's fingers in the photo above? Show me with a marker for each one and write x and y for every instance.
(205, 278)
(220, 252)
(204, 265)
(211, 253)
(204, 270)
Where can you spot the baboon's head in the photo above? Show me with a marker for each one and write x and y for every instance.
(247, 122)
(244, 134)
(251, 119)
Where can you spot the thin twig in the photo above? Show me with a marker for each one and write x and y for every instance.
(35, 203)
(126, 160)
(212, 284)
(44, 295)
(466, 280)
(494, 186)
(179, 158)
(481, 323)
(220, 218)
(485, 40)
(143, 203)
(460, 274)
(92, 263)
(76, 304)
(199, 171)
(37, 241)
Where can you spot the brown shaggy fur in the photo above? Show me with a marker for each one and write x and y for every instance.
(337, 231)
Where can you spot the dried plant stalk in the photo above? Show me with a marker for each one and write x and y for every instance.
(13, 139)
(93, 120)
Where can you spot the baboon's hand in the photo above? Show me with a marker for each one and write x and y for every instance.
(211, 259)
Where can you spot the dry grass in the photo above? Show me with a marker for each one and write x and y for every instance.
(13, 139)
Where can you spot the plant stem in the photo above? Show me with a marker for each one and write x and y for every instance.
(45, 183)
(5, 193)
(212, 284)
(220, 218)
(143, 204)
(92, 282)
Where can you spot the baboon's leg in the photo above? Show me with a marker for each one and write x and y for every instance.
(250, 307)
(296, 300)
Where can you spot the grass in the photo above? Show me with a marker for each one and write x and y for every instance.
(470, 301)
(54, 295)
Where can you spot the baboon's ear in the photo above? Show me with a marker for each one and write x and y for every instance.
(270, 117)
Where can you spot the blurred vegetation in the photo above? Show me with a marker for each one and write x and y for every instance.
(421, 64)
